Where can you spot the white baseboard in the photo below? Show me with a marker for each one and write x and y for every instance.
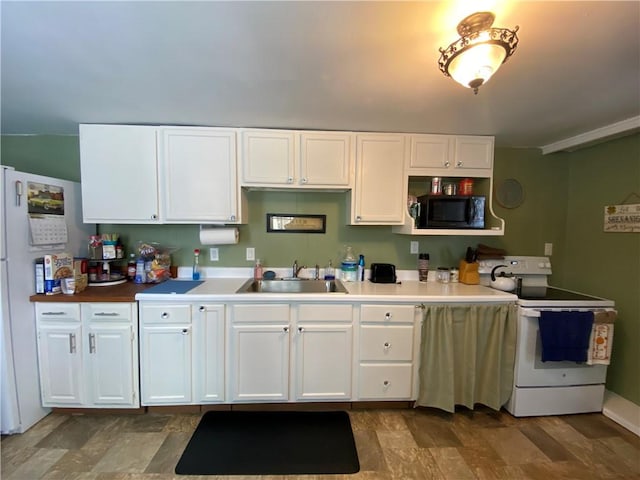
(622, 411)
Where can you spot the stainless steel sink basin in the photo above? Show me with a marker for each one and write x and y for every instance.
(292, 285)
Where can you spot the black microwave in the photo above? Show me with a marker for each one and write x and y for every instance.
(451, 211)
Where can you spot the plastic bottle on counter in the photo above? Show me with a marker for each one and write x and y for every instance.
(349, 265)
(140, 275)
(131, 267)
(196, 264)
(361, 268)
(257, 270)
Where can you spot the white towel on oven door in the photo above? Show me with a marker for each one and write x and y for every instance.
(600, 344)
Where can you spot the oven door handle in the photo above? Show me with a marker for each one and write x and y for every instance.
(530, 312)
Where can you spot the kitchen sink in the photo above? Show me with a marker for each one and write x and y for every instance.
(292, 285)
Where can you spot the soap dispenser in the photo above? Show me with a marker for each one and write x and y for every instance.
(257, 270)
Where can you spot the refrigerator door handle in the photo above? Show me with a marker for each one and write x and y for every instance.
(18, 192)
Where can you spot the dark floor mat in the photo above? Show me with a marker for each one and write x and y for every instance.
(270, 443)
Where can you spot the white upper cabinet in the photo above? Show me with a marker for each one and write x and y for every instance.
(292, 159)
(451, 156)
(379, 196)
(198, 175)
(119, 174)
(140, 174)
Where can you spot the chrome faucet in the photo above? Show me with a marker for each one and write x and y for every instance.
(296, 270)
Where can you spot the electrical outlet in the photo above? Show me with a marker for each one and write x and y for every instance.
(213, 254)
(251, 253)
(414, 247)
(548, 249)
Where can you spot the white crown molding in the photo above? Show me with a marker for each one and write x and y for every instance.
(602, 134)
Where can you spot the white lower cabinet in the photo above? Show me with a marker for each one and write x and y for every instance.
(88, 354)
(181, 354)
(298, 352)
(259, 352)
(323, 345)
(388, 352)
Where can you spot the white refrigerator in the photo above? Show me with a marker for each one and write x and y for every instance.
(39, 215)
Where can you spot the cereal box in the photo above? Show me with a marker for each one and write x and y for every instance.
(56, 267)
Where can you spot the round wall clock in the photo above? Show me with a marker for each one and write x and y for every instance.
(509, 194)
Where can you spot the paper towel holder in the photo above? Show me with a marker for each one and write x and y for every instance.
(231, 235)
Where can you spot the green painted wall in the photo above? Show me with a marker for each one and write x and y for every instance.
(50, 155)
(564, 196)
(607, 174)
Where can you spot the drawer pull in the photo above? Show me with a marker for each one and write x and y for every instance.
(387, 345)
(53, 313)
(107, 314)
(388, 316)
(164, 315)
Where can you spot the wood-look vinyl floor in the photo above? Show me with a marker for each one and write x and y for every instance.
(402, 444)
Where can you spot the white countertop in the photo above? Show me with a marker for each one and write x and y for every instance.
(224, 289)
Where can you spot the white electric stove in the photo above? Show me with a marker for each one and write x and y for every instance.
(547, 388)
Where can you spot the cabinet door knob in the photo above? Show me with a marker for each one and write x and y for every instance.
(154, 217)
(285, 329)
(387, 345)
(459, 164)
(300, 329)
(202, 309)
(289, 179)
(388, 316)
(185, 331)
(447, 164)
(303, 180)
(386, 383)
(232, 218)
(358, 218)
(164, 315)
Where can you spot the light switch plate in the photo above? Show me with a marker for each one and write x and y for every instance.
(548, 249)
(414, 247)
(251, 253)
(213, 254)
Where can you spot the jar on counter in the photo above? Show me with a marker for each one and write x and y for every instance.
(443, 275)
(455, 275)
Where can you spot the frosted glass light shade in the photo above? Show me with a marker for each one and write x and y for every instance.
(476, 65)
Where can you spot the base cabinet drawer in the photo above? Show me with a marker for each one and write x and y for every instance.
(383, 343)
(385, 381)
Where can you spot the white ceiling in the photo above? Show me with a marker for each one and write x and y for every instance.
(363, 66)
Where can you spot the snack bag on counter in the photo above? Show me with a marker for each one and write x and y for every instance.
(157, 259)
(80, 271)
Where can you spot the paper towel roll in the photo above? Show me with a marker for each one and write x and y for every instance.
(218, 236)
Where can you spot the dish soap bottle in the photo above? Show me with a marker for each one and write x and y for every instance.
(196, 264)
(257, 270)
(329, 273)
(349, 265)
(361, 268)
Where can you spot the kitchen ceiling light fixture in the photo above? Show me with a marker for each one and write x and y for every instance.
(478, 53)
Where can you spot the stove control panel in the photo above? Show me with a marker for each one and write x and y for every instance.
(518, 266)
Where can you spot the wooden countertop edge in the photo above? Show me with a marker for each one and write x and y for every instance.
(125, 292)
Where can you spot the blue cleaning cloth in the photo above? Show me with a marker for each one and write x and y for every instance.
(565, 335)
(174, 286)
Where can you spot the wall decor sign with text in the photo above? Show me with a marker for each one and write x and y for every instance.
(296, 223)
(622, 218)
